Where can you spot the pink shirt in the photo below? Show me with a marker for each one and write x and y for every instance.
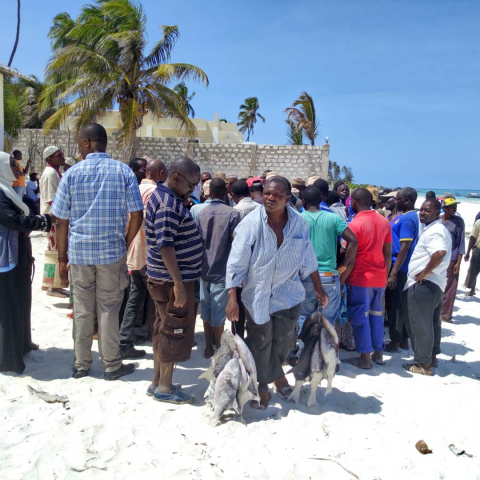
(137, 253)
(373, 232)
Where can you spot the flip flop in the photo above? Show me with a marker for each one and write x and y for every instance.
(374, 359)
(264, 399)
(285, 391)
(58, 294)
(416, 368)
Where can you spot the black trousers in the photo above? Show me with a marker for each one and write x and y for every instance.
(424, 304)
(394, 305)
(474, 269)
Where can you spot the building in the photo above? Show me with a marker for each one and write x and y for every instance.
(6, 72)
(208, 131)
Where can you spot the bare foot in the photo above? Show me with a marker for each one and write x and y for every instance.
(377, 357)
(434, 362)
(392, 347)
(283, 387)
(360, 363)
(471, 293)
(404, 345)
(208, 353)
(264, 399)
(34, 346)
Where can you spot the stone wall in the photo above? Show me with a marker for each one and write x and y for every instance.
(242, 159)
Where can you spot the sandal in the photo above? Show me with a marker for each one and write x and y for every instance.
(416, 368)
(58, 294)
(264, 399)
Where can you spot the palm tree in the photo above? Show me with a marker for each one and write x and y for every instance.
(347, 174)
(304, 116)
(248, 116)
(32, 116)
(15, 100)
(182, 91)
(99, 61)
(224, 120)
(17, 36)
(294, 134)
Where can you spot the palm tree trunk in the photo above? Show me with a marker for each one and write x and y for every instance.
(17, 37)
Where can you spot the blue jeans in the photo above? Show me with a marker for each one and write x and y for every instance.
(213, 301)
(332, 286)
(365, 310)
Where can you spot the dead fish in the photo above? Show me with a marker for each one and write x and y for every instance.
(219, 366)
(331, 333)
(316, 375)
(303, 368)
(224, 349)
(244, 392)
(248, 362)
(229, 339)
(329, 356)
(311, 320)
(226, 388)
(47, 397)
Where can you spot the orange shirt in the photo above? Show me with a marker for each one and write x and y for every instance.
(21, 180)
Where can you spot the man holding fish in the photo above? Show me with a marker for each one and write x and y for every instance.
(271, 255)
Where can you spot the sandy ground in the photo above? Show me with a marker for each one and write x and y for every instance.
(369, 425)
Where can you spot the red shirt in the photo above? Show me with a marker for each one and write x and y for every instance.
(372, 231)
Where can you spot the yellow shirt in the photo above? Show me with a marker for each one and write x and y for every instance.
(21, 180)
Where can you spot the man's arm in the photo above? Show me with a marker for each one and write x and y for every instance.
(348, 262)
(387, 255)
(169, 258)
(62, 244)
(136, 220)
(435, 261)
(401, 257)
(27, 167)
(471, 244)
(322, 296)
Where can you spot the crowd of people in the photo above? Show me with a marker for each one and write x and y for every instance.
(141, 246)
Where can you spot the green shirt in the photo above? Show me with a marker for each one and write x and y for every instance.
(325, 228)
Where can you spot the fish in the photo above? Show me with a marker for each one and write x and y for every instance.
(329, 355)
(244, 392)
(47, 397)
(229, 339)
(311, 320)
(303, 368)
(334, 342)
(226, 388)
(248, 362)
(217, 369)
(224, 349)
(316, 375)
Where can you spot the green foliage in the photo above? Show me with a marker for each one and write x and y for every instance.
(335, 172)
(15, 100)
(182, 91)
(248, 116)
(100, 60)
(302, 114)
(294, 134)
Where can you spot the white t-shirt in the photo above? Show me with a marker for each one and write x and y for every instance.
(435, 237)
(49, 182)
(31, 187)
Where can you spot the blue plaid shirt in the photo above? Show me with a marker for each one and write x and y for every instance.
(95, 196)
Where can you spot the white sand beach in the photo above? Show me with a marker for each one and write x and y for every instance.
(369, 425)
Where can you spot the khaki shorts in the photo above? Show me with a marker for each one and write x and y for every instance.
(174, 328)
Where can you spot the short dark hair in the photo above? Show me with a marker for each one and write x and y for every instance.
(363, 197)
(134, 163)
(430, 195)
(436, 204)
(281, 180)
(16, 153)
(240, 188)
(322, 185)
(95, 133)
(312, 196)
(410, 193)
(256, 187)
(218, 187)
(332, 197)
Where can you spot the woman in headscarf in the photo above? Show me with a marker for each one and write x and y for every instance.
(15, 269)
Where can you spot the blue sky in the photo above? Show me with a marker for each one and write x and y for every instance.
(396, 83)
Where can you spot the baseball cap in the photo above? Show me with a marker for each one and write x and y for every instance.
(448, 202)
(254, 181)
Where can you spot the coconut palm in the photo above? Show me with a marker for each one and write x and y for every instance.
(99, 61)
(15, 101)
(182, 91)
(17, 36)
(302, 112)
(32, 116)
(248, 116)
(294, 134)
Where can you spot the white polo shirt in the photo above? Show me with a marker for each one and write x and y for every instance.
(435, 237)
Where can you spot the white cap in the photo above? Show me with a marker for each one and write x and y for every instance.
(49, 151)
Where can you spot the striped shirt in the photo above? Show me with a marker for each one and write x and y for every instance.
(95, 196)
(272, 277)
(169, 224)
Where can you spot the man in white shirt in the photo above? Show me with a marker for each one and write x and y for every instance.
(426, 282)
(241, 196)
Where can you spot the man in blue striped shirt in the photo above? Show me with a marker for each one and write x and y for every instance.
(92, 202)
(174, 262)
(271, 255)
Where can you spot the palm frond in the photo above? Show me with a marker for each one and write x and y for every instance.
(162, 51)
(180, 71)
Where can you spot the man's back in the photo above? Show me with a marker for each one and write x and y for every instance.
(325, 228)
(95, 196)
(404, 227)
(216, 223)
(372, 231)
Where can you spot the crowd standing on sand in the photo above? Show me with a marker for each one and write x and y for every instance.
(289, 264)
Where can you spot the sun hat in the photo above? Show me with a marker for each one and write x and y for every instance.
(298, 181)
(448, 202)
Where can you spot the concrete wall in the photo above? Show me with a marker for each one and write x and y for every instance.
(243, 159)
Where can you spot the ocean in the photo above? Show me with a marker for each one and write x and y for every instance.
(460, 194)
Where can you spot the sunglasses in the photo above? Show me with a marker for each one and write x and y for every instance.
(190, 184)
